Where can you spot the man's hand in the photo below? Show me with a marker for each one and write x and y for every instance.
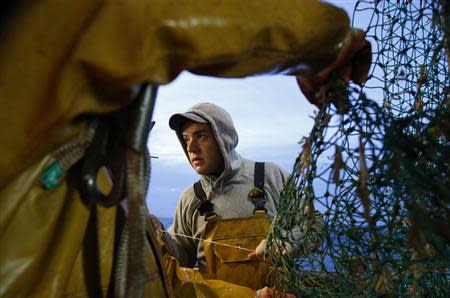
(353, 63)
(269, 293)
(260, 252)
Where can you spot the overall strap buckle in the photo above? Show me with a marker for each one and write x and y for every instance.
(257, 194)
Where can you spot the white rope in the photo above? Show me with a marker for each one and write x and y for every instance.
(201, 239)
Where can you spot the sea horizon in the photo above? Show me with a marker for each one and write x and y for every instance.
(166, 221)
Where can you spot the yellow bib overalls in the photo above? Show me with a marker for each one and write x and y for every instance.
(227, 242)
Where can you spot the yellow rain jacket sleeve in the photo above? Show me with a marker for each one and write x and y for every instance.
(63, 59)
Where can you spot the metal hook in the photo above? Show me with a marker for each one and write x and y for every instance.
(128, 128)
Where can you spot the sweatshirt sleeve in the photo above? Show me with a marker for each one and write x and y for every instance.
(275, 178)
(310, 228)
(183, 248)
(308, 221)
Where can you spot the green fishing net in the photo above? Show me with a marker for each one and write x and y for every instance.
(378, 173)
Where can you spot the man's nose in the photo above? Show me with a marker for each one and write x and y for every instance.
(192, 147)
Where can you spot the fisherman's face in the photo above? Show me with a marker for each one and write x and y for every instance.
(203, 150)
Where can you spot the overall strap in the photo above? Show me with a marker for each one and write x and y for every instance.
(259, 175)
(206, 208)
(257, 194)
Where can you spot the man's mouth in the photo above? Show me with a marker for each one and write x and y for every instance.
(196, 160)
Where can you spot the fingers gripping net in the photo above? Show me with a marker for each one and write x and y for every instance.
(378, 174)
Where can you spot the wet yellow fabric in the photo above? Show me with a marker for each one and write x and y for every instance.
(189, 282)
(48, 246)
(224, 259)
(63, 59)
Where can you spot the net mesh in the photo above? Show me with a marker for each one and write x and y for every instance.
(379, 173)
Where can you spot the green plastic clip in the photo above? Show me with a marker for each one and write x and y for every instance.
(50, 179)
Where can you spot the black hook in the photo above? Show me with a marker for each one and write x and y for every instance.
(128, 128)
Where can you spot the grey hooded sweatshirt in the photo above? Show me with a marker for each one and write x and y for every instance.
(228, 192)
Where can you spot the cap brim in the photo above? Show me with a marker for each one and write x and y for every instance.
(177, 121)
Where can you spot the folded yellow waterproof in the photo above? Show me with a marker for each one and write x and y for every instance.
(63, 59)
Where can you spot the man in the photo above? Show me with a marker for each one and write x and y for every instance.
(67, 65)
(230, 208)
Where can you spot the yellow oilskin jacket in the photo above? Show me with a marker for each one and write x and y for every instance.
(227, 245)
(61, 60)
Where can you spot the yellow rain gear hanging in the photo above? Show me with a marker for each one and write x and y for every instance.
(62, 60)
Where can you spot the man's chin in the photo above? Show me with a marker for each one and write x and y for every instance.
(200, 170)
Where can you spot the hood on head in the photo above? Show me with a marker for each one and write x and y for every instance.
(221, 125)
